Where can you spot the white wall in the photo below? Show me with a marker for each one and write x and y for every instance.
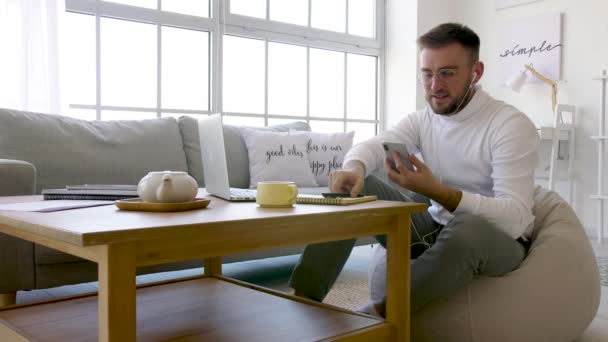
(584, 55)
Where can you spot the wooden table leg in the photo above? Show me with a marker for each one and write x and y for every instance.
(117, 301)
(8, 299)
(213, 266)
(398, 278)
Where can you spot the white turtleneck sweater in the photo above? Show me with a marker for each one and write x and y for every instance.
(488, 150)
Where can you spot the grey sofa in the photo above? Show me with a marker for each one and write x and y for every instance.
(40, 151)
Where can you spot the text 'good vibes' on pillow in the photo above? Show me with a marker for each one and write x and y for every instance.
(326, 152)
(275, 156)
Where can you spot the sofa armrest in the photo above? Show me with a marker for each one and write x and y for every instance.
(16, 264)
(17, 177)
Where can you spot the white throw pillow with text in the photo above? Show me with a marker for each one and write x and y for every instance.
(326, 152)
(277, 156)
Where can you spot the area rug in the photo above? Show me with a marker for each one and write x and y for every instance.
(349, 294)
(602, 263)
(352, 292)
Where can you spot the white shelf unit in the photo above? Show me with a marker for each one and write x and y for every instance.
(601, 139)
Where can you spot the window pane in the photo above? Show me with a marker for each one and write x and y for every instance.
(79, 59)
(243, 75)
(363, 131)
(289, 11)
(126, 115)
(252, 8)
(185, 69)
(12, 38)
(361, 14)
(128, 63)
(276, 121)
(329, 14)
(326, 126)
(326, 83)
(191, 7)
(138, 3)
(243, 121)
(178, 115)
(286, 79)
(361, 87)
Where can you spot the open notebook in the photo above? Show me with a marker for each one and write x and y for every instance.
(318, 199)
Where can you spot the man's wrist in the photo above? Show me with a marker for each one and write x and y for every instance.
(449, 198)
(355, 166)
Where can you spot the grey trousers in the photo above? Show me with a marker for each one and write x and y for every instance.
(445, 258)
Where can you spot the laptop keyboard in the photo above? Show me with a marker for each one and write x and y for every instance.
(242, 192)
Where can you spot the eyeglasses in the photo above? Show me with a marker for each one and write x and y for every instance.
(426, 77)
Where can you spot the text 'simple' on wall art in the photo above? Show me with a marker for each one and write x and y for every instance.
(537, 41)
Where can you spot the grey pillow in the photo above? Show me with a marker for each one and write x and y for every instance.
(236, 150)
(70, 151)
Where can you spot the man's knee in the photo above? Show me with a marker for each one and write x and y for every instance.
(467, 230)
(375, 185)
(467, 218)
(373, 182)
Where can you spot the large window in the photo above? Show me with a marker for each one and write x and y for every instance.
(260, 62)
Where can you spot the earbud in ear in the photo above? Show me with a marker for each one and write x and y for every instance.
(472, 80)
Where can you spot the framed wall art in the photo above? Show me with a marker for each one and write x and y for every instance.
(500, 4)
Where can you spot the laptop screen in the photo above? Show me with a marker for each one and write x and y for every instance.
(213, 155)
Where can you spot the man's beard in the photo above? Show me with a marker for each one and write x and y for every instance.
(456, 105)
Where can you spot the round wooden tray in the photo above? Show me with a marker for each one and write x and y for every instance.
(139, 205)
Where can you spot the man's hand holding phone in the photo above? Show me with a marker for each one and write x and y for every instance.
(401, 149)
(408, 171)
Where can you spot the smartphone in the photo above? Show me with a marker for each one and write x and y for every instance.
(400, 148)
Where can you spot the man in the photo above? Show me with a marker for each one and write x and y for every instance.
(478, 174)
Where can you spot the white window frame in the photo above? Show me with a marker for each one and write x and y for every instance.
(221, 22)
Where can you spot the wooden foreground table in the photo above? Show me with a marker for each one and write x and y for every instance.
(210, 307)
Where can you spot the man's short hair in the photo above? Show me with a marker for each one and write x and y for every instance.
(448, 33)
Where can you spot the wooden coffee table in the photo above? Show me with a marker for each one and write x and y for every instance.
(208, 307)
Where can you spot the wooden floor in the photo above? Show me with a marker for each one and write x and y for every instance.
(201, 309)
(276, 273)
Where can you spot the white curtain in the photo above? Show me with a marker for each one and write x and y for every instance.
(29, 55)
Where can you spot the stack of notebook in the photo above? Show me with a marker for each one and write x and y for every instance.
(105, 192)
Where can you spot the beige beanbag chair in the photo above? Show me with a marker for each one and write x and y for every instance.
(552, 296)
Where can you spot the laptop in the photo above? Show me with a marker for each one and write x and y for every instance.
(215, 167)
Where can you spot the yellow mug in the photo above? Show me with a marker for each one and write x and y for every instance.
(276, 194)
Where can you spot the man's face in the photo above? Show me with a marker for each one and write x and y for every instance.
(446, 74)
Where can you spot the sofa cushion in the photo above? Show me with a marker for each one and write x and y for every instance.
(70, 151)
(278, 156)
(236, 150)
